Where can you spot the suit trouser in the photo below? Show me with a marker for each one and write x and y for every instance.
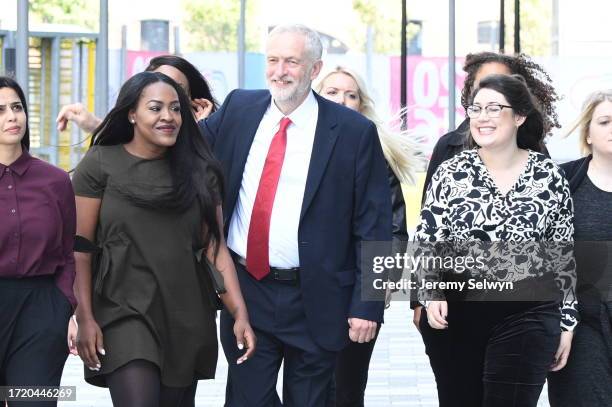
(34, 316)
(277, 316)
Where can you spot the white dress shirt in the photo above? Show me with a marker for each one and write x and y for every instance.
(283, 243)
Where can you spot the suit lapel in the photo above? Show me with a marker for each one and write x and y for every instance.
(251, 118)
(326, 135)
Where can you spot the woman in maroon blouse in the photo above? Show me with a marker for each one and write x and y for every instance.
(37, 227)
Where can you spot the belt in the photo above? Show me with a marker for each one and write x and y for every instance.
(289, 275)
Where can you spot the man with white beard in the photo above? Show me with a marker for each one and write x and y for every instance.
(306, 184)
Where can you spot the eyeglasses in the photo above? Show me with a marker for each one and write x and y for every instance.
(493, 110)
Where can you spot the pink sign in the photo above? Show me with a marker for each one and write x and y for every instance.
(428, 94)
(137, 61)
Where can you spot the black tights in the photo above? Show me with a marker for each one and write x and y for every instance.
(138, 384)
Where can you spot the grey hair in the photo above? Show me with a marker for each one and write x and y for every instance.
(314, 47)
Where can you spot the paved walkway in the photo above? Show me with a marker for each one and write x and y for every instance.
(399, 373)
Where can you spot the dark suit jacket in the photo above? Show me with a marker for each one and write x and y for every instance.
(346, 201)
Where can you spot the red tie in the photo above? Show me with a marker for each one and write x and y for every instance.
(258, 263)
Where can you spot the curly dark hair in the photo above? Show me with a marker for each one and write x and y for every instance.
(538, 82)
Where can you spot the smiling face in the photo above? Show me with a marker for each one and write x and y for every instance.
(342, 88)
(289, 70)
(157, 117)
(13, 119)
(600, 129)
(497, 132)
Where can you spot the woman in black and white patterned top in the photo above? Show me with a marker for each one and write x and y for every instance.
(502, 191)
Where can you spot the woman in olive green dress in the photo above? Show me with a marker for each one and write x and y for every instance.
(149, 195)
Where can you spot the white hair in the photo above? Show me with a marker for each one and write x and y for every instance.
(313, 45)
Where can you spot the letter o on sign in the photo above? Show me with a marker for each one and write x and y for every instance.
(426, 84)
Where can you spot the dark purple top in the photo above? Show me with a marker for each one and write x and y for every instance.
(37, 222)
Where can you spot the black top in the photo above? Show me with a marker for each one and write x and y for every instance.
(593, 233)
(593, 209)
(400, 231)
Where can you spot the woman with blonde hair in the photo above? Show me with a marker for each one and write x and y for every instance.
(586, 380)
(344, 86)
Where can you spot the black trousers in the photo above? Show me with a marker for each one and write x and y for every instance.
(350, 379)
(437, 348)
(500, 352)
(34, 316)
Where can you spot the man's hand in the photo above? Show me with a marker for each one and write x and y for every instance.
(361, 330)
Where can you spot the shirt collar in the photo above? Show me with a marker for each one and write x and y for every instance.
(301, 116)
(20, 165)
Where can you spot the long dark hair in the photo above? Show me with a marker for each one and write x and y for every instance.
(198, 87)
(530, 134)
(6, 82)
(538, 82)
(195, 173)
